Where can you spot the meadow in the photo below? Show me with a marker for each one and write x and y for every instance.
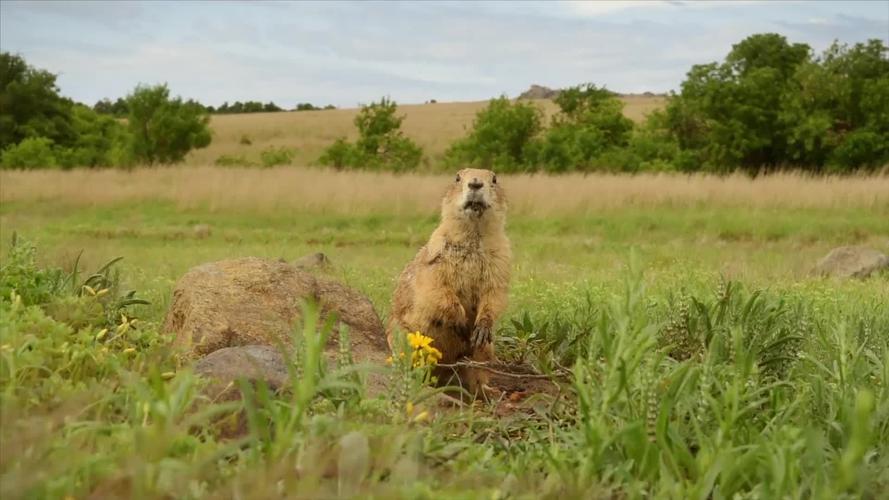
(697, 355)
(432, 126)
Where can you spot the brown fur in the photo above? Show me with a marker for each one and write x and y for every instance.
(456, 287)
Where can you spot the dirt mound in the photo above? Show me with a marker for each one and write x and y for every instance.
(539, 92)
(256, 301)
(852, 262)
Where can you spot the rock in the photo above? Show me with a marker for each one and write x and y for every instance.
(539, 92)
(313, 261)
(256, 301)
(852, 262)
(201, 231)
(224, 367)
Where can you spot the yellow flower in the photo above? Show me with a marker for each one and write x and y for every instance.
(409, 408)
(418, 340)
(129, 350)
(423, 415)
(101, 334)
(101, 292)
(89, 290)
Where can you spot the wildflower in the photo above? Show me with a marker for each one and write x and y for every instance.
(90, 290)
(167, 375)
(101, 292)
(101, 334)
(422, 416)
(129, 350)
(409, 408)
(125, 323)
(423, 353)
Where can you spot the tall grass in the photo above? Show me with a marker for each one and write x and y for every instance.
(699, 392)
(309, 189)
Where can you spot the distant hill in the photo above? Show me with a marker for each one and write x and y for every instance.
(433, 126)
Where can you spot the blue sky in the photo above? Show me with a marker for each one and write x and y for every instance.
(343, 53)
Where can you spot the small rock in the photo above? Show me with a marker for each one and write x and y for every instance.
(852, 262)
(224, 367)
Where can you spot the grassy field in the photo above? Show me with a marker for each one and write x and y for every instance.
(433, 126)
(714, 366)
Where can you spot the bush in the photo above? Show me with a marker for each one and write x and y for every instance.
(340, 154)
(381, 144)
(502, 137)
(101, 141)
(33, 152)
(590, 123)
(273, 156)
(165, 129)
(233, 161)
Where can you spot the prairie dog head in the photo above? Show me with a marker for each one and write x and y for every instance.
(474, 196)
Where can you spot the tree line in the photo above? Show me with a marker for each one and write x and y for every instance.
(769, 105)
(120, 109)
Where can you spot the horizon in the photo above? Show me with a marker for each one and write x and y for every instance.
(345, 53)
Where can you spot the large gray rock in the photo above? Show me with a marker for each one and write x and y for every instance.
(539, 92)
(852, 262)
(252, 301)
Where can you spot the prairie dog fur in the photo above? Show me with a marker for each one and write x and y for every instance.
(455, 288)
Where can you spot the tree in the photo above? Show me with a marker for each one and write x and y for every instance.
(165, 129)
(30, 105)
(770, 105)
(381, 144)
(590, 123)
(502, 136)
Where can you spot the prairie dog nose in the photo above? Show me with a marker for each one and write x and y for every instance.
(475, 185)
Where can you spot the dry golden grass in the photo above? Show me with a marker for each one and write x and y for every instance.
(433, 126)
(310, 189)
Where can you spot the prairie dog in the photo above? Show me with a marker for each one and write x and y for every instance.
(455, 288)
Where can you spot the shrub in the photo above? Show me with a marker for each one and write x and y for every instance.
(381, 144)
(165, 129)
(273, 156)
(340, 154)
(33, 152)
(101, 141)
(502, 137)
(589, 124)
(233, 161)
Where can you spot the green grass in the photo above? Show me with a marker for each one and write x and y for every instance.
(765, 384)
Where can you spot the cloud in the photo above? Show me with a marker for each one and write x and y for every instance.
(344, 53)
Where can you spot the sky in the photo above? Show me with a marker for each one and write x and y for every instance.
(346, 53)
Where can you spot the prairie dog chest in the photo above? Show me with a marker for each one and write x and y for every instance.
(468, 266)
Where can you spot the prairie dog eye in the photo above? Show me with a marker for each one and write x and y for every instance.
(494, 180)
(458, 178)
